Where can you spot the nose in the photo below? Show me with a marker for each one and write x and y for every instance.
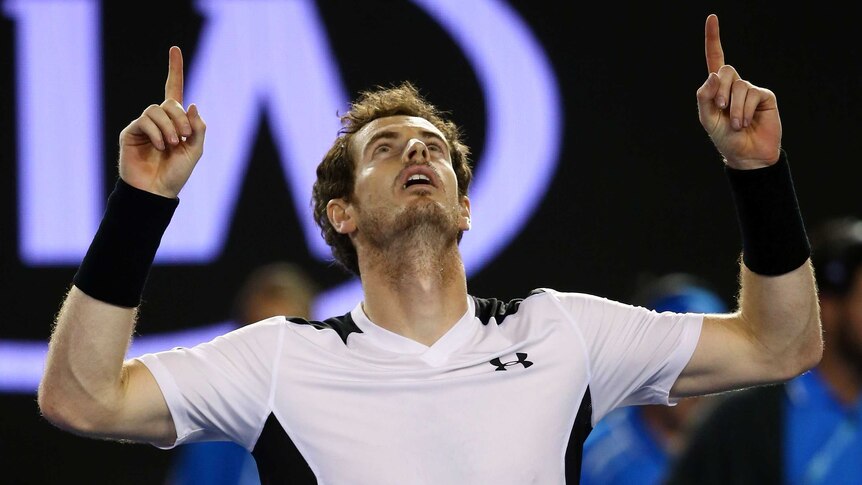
(416, 151)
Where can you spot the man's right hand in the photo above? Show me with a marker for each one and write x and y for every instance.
(159, 150)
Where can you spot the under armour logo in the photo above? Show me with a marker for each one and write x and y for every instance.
(522, 359)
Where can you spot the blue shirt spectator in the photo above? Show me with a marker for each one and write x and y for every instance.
(823, 442)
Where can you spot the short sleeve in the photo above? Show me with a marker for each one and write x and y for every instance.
(220, 390)
(635, 354)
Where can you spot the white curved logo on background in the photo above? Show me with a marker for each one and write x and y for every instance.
(256, 57)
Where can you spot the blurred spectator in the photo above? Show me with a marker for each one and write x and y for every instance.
(279, 288)
(806, 431)
(634, 445)
(273, 289)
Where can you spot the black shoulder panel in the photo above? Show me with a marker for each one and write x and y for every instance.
(492, 307)
(343, 325)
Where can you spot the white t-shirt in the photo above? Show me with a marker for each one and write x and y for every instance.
(506, 396)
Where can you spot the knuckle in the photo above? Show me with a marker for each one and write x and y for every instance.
(151, 108)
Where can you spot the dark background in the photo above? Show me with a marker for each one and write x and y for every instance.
(639, 190)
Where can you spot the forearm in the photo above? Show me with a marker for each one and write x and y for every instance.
(781, 316)
(778, 303)
(83, 383)
(774, 334)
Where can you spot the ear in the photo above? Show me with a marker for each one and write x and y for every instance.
(340, 215)
(464, 221)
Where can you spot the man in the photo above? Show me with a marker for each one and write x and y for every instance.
(421, 382)
(636, 445)
(806, 430)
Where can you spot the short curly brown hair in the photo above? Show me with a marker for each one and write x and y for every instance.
(335, 173)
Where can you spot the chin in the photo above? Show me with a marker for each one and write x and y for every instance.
(424, 218)
(424, 208)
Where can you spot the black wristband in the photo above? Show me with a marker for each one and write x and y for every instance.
(118, 261)
(774, 240)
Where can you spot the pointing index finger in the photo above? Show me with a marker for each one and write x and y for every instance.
(714, 53)
(174, 84)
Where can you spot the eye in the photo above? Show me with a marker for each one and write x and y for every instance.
(382, 148)
(435, 147)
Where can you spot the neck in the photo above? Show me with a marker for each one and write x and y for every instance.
(416, 290)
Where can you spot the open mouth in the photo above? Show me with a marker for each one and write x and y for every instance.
(417, 179)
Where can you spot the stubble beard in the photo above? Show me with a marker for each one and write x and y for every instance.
(418, 240)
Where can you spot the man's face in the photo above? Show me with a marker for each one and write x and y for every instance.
(404, 179)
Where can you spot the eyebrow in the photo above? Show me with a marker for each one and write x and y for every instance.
(392, 134)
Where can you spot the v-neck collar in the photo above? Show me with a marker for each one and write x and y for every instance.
(437, 354)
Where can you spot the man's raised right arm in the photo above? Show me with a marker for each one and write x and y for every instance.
(87, 387)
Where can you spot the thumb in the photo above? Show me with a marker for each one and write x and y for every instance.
(707, 110)
(199, 128)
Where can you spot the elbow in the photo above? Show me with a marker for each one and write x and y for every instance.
(801, 363)
(811, 348)
(804, 356)
(67, 412)
(51, 408)
(812, 352)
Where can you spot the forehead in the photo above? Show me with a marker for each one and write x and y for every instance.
(393, 123)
